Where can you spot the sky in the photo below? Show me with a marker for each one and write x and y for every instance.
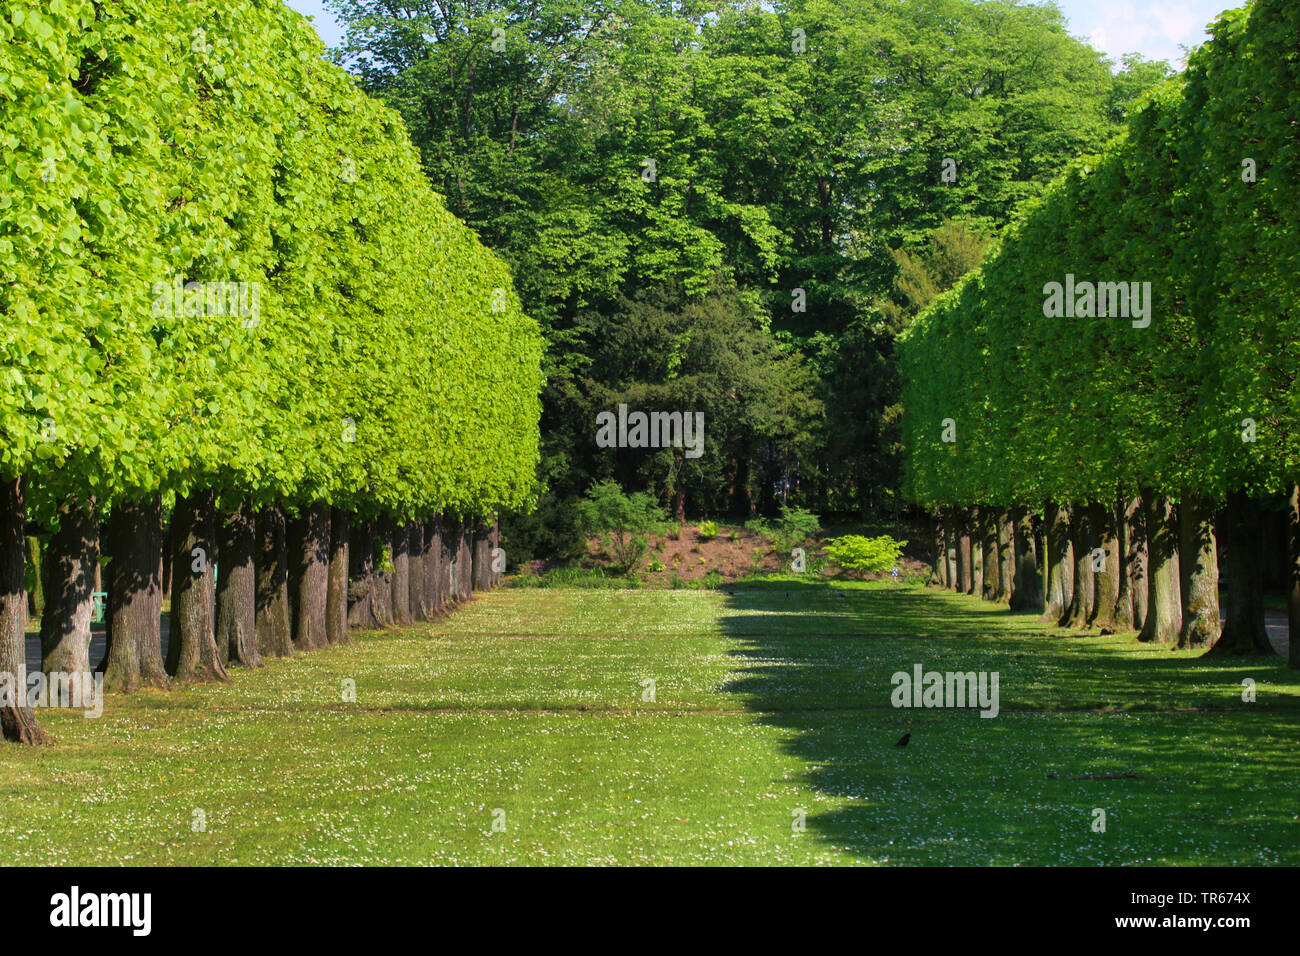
(1154, 28)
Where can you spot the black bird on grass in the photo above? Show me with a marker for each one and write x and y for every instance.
(903, 742)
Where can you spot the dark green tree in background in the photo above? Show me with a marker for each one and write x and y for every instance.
(794, 178)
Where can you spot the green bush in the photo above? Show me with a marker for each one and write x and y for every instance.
(797, 526)
(708, 530)
(856, 553)
(622, 520)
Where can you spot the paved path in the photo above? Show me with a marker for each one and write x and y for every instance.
(98, 645)
(1276, 625)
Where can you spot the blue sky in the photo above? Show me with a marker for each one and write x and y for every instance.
(1154, 28)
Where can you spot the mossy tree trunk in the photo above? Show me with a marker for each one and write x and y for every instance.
(1136, 559)
(1164, 618)
(1027, 588)
(1106, 568)
(1083, 586)
(1006, 555)
(988, 539)
(1198, 567)
(1059, 566)
(951, 547)
(939, 560)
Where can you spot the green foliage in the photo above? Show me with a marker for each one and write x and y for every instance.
(797, 525)
(857, 553)
(708, 530)
(1077, 409)
(379, 358)
(623, 520)
(819, 171)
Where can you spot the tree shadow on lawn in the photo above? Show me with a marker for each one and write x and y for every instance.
(817, 659)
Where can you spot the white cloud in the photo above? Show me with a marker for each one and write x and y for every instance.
(1156, 30)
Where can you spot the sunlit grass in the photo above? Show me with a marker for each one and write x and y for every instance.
(769, 700)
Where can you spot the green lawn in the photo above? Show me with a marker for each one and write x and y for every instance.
(769, 700)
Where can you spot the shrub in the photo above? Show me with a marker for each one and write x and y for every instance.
(797, 525)
(856, 553)
(708, 530)
(623, 520)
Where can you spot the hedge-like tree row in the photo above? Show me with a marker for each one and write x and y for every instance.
(227, 292)
(1121, 371)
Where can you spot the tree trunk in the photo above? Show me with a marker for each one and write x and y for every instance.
(17, 721)
(974, 528)
(1243, 623)
(401, 580)
(939, 564)
(952, 524)
(1293, 598)
(274, 637)
(134, 538)
(192, 645)
(1103, 522)
(1123, 603)
(1006, 555)
(361, 588)
(1135, 526)
(417, 607)
(482, 556)
(496, 545)
(1164, 603)
(464, 562)
(1083, 588)
(167, 550)
(336, 598)
(381, 595)
(988, 544)
(71, 558)
(965, 553)
(1060, 564)
(1198, 567)
(237, 587)
(38, 563)
(310, 556)
(438, 569)
(1027, 590)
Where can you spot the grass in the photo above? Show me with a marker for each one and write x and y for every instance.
(770, 698)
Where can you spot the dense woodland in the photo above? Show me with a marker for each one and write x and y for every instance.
(798, 217)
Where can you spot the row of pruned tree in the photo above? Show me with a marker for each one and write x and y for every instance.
(1117, 382)
(228, 294)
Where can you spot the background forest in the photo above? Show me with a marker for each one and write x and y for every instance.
(734, 209)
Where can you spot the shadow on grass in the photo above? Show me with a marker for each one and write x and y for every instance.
(1187, 770)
